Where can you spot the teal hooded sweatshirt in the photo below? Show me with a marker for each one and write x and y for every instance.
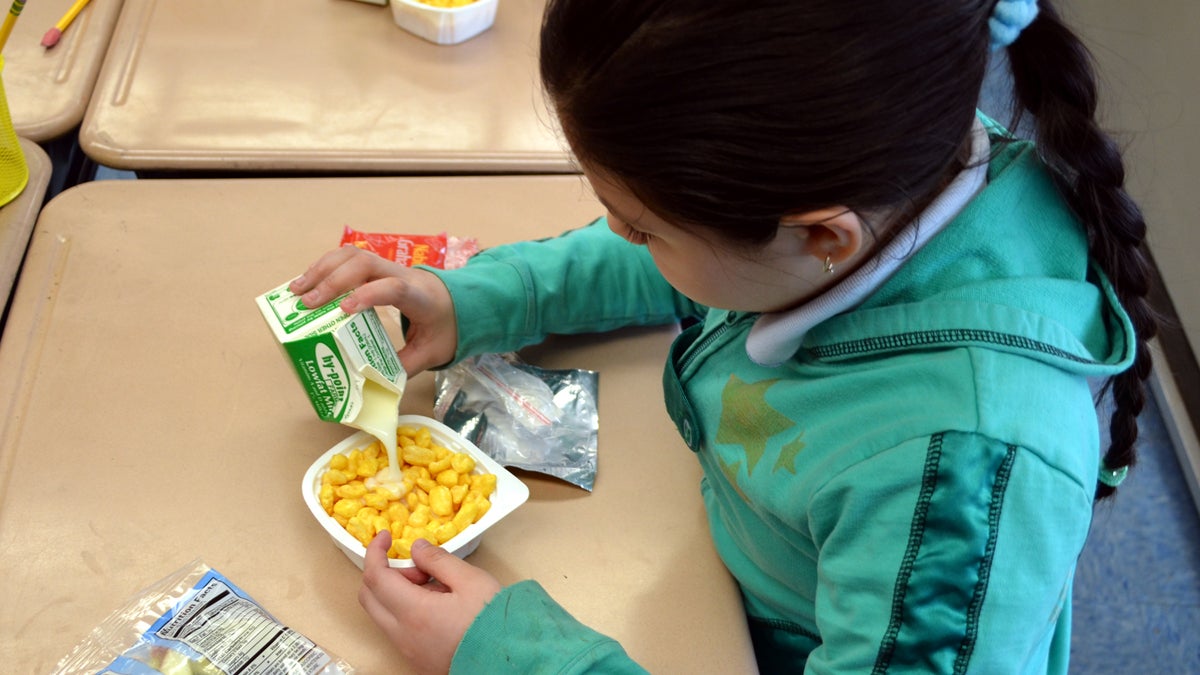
(908, 493)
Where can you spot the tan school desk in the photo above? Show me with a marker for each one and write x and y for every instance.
(18, 216)
(148, 418)
(317, 86)
(48, 89)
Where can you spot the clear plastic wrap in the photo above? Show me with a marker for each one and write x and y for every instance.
(196, 622)
(523, 416)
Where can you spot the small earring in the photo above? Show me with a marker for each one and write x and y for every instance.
(828, 265)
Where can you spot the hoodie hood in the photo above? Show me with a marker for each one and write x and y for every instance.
(1011, 272)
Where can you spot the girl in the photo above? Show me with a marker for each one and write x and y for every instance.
(898, 310)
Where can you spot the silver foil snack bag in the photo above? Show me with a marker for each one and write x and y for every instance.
(523, 416)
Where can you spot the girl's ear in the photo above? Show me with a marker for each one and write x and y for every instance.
(835, 233)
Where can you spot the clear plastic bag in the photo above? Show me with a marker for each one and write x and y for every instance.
(523, 416)
(196, 622)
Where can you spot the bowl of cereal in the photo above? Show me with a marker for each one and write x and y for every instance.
(449, 492)
(445, 22)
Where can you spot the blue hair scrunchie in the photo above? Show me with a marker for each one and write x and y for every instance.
(1009, 18)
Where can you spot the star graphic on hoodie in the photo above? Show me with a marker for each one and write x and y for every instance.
(787, 455)
(747, 420)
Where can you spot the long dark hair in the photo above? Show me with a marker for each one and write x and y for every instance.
(1054, 81)
(729, 115)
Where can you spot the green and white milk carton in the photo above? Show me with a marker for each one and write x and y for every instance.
(336, 355)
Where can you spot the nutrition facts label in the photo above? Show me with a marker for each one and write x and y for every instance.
(238, 637)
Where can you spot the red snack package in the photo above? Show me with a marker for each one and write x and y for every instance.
(406, 249)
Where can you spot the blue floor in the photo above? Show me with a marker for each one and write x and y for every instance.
(105, 173)
(1137, 589)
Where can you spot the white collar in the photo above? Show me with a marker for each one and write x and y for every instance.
(775, 337)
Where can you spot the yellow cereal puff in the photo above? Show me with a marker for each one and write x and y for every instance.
(439, 465)
(376, 500)
(462, 462)
(367, 467)
(418, 455)
(445, 532)
(401, 548)
(396, 511)
(327, 498)
(484, 483)
(440, 501)
(466, 515)
(353, 490)
(347, 508)
(419, 517)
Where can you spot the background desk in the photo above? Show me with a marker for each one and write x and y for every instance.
(147, 417)
(49, 89)
(18, 216)
(317, 86)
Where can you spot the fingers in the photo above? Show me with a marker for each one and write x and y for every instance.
(336, 272)
(414, 575)
(376, 611)
(378, 576)
(418, 357)
(440, 564)
(376, 580)
(385, 589)
(319, 270)
(419, 295)
(426, 622)
(376, 559)
(394, 289)
(375, 565)
(433, 333)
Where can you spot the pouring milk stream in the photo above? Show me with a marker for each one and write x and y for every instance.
(346, 364)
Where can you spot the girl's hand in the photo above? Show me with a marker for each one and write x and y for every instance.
(421, 297)
(425, 610)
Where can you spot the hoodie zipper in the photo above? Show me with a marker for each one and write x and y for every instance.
(730, 319)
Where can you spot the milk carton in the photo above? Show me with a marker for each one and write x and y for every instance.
(337, 356)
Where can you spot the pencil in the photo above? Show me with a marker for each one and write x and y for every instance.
(51, 37)
(10, 21)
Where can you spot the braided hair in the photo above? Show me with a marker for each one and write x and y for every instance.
(1086, 166)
